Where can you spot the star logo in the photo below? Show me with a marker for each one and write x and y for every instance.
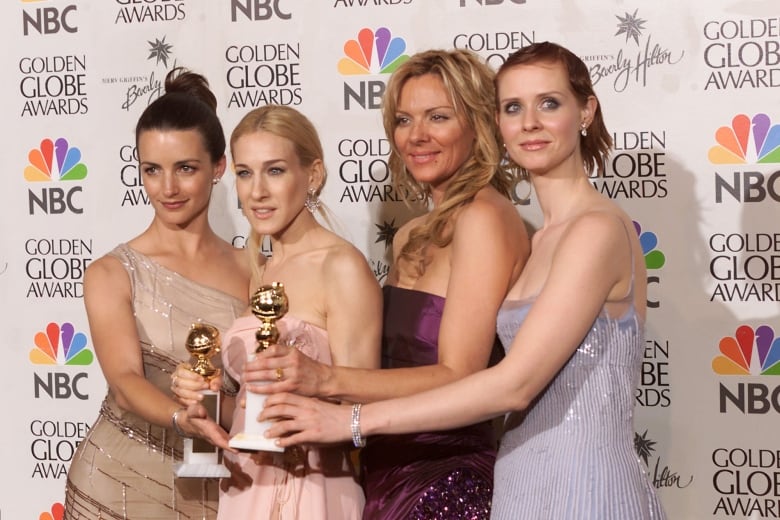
(644, 447)
(386, 232)
(631, 26)
(160, 50)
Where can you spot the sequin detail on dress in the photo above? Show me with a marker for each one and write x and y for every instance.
(405, 476)
(123, 469)
(461, 495)
(570, 455)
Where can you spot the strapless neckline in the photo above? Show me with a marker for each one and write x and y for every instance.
(413, 291)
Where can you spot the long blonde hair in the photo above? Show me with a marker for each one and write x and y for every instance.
(470, 87)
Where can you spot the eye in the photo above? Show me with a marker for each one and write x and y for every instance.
(549, 104)
(401, 120)
(275, 170)
(187, 169)
(511, 107)
(439, 117)
(150, 170)
(242, 173)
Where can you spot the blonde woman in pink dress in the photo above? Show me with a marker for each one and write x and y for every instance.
(334, 300)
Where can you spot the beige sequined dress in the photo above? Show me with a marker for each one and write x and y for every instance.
(123, 469)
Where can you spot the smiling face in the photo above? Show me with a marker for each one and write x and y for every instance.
(540, 118)
(177, 173)
(271, 182)
(432, 141)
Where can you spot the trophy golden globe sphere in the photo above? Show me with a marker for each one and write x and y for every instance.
(269, 303)
(203, 343)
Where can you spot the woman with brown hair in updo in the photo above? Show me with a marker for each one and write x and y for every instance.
(141, 299)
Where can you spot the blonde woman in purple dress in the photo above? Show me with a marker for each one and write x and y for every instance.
(452, 267)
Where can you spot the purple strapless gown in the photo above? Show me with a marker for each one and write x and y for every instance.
(423, 476)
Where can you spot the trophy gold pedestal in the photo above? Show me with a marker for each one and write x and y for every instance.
(269, 303)
(201, 458)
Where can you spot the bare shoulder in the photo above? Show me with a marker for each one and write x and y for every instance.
(106, 275)
(106, 268)
(342, 259)
(490, 212)
(600, 233)
(606, 222)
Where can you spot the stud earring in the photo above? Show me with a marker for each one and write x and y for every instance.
(312, 201)
(215, 180)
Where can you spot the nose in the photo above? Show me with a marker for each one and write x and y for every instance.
(259, 186)
(170, 184)
(418, 131)
(530, 120)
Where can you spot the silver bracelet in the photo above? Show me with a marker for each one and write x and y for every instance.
(175, 422)
(357, 439)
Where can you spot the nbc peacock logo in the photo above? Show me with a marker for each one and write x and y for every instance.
(748, 140)
(749, 352)
(373, 52)
(654, 258)
(55, 161)
(57, 512)
(61, 345)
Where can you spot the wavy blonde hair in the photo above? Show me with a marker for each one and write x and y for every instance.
(286, 122)
(470, 86)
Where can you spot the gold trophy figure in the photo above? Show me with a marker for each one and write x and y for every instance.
(269, 303)
(201, 458)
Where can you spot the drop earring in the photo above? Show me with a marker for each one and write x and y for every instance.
(312, 201)
(584, 129)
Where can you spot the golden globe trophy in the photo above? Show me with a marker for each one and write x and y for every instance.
(269, 303)
(201, 458)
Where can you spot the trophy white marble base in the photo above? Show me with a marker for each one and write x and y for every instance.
(253, 437)
(201, 459)
(201, 470)
(243, 441)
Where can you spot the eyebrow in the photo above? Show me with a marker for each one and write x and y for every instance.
(263, 164)
(177, 163)
(427, 110)
(537, 96)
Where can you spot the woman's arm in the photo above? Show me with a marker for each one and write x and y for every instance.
(108, 300)
(592, 258)
(353, 308)
(487, 251)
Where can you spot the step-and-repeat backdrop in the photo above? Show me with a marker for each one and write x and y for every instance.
(690, 93)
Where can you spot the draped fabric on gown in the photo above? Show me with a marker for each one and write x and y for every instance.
(302, 483)
(123, 469)
(570, 456)
(433, 475)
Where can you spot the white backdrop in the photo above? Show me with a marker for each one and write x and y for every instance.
(689, 89)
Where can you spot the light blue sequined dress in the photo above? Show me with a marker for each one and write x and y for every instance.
(570, 456)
